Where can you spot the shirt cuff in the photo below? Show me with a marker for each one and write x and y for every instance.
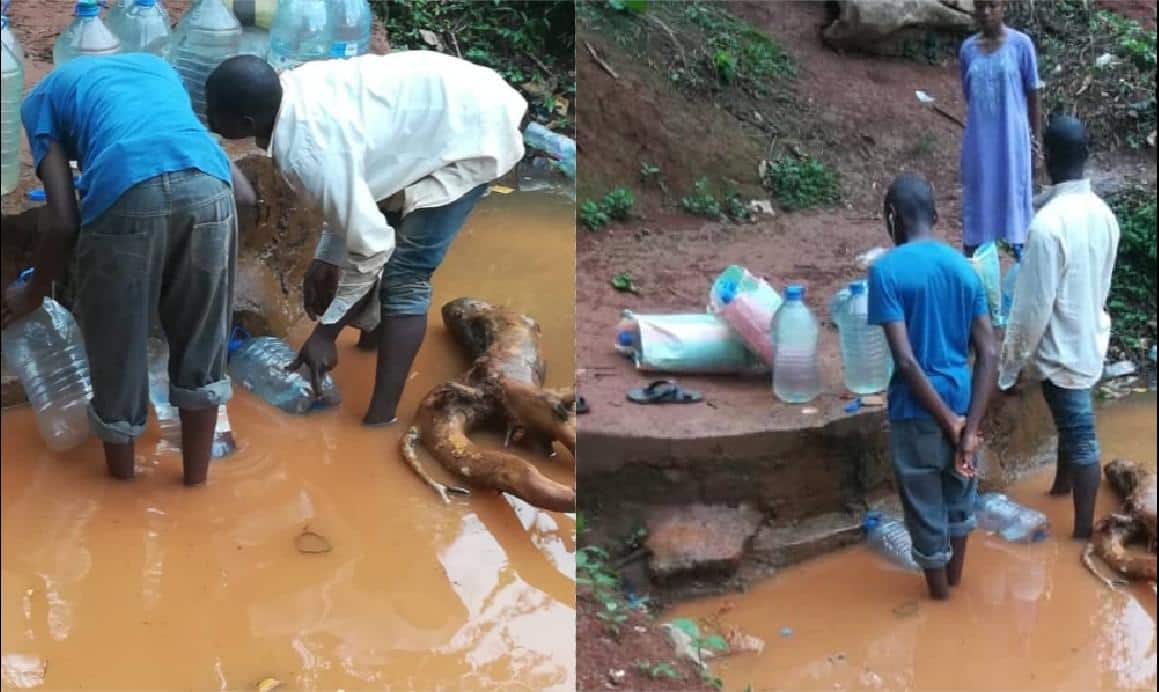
(331, 248)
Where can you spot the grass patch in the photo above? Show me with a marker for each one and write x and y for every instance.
(802, 183)
(1132, 300)
(704, 202)
(616, 205)
(735, 52)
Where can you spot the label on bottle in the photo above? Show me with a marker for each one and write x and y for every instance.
(344, 49)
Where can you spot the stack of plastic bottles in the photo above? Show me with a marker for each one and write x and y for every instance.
(142, 28)
(86, 36)
(206, 36)
(865, 355)
(796, 376)
(889, 538)
(260, 365)
(11, 95)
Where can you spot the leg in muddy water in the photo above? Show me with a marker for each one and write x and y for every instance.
(1063, 481)
(938, 583)
(1086, 489)
(957, 560)
(197, 443)
(401, 337)
(119, 460)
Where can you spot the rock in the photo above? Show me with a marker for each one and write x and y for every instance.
(878, 27)
(699, 540)
(684, 647)
(788, 545)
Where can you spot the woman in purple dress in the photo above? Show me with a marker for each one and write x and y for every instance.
(1000, 83)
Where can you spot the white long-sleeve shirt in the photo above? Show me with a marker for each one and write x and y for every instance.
(352, 133)
(1059, 328)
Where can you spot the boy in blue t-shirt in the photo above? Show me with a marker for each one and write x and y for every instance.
(932, 305)
(155, 234)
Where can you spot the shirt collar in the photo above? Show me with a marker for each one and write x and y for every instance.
(1070, 187)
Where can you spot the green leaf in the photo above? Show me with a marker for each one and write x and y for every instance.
(623, 283)
(717, 642)
(688, 627)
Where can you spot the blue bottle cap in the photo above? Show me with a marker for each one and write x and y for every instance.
(87, 8)
(871, 520)
(36, 195)
(727, 295)
(624, 338)
(146, 3)
(794, 292)
(237, 337)
(856, 288)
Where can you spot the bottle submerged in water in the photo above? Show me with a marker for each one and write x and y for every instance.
(350, 22)
(557, 146)
(259, 364)
(206, 36)
(889, 538)
(1013, 522)
(865, 356)
(301, 32)
(796, 377)
(46, 351)
(144, 29)
(169, 418)
(11, 96)
(86, 36)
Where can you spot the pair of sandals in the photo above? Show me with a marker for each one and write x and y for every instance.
(658, 392)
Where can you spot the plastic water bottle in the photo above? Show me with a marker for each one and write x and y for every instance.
(207, 35)
(796, 377)
(46, 351)
(87, 35)
(260, 363)
(143, 29)
(864, 349)
(9, 39)
(350, 21)
(836, 303)
(627, 334)
(120, 9)
(11, 95)
(890, 539)
(301, 33)
(1008, 283)
(557, 146)
(752, 321)
(168, 416)
(1013, 522)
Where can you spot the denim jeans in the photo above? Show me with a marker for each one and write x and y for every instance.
(167, 250)
(422, 240)
(938, 503)
(1073, 411)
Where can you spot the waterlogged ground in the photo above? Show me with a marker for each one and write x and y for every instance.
(150, 585)
(1025, 617)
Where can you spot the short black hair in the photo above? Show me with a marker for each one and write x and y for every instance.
(912, 197)
(244, 86)
(1066, 140)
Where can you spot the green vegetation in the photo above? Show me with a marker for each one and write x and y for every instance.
(593, 570)
(532, 44)
(1132, 301)
(659, 670)
(616, 205)
(702, 202)
(802, 183)
(702, 642)
(735, 52)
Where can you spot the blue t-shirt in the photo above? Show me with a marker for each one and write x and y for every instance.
(937, 294)
(124, 119)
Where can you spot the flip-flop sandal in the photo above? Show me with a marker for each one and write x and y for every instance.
(581, 405)
(663, 392)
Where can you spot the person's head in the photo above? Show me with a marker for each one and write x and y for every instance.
(242, 98)
(1065, 148)
(909, 208)
(990, 14)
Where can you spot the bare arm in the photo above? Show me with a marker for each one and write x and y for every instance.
(919, 384)
(985, 372)
(243, 191)
(60, 220)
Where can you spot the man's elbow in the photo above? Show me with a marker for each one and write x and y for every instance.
(987, 352)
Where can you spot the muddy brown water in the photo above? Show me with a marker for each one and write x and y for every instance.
(149, 585)
(1024, 618)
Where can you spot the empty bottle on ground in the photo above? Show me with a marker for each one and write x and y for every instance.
(8, 36)
(259, 364)
(11, 95)
(889, 538)
(207, 35)
(301, 33)
(168, 416)
(557, 146)
(865, 355)
(350, 22)
(46, 351)
(796, 377)
(143, 29)
(1013, 522)
(86, 36)
(691, 344)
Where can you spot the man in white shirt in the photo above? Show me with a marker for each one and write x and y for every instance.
(396, 150)
(1059, 329)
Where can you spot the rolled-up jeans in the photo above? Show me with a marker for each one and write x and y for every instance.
(938, 503)
(1073, 411)
(166, 248)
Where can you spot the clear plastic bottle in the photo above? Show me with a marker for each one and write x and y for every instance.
(119, 9)
(8, 36)
(350, 21)
(87, 36)
(144, 29)
(627, 334)
(889, 538)
(301, 33)
(259, 364)
(796, 377)
(206, 36)
(865, 356)
(46, 351)
(1008, 283)
(559, 147)
(836, 303)
(168, 417)
(11, 95)
(751, 320)
(1013, 522)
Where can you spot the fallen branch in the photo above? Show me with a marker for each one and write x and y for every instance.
(600, 61)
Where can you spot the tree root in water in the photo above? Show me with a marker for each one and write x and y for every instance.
(503, 389)
(1115, 532)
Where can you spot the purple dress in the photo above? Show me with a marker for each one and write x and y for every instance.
(996, 160)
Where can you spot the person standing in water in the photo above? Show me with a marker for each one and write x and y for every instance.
(395, 150)
(932, 305)
(999, 71)
(1059, 329)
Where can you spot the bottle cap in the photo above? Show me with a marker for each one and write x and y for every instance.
(727, 294)
(146, 3)
(871, 520)
(87, 8)
(794, 292)
(856, 288)
(237, 337)
(624, 338)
